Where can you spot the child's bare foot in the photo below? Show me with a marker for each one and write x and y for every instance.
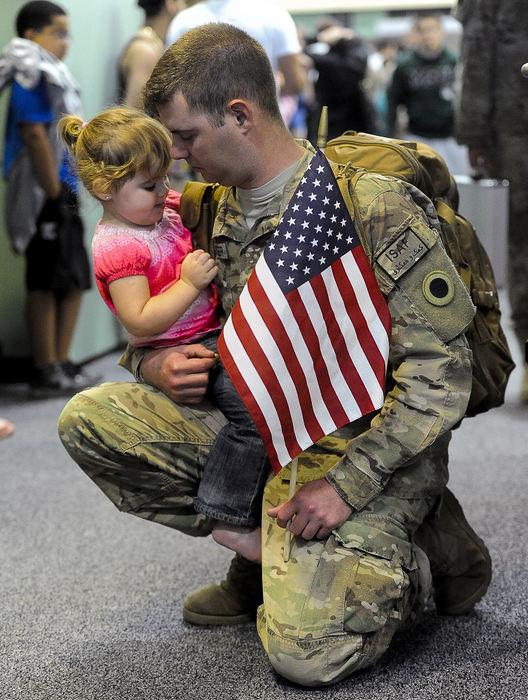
(243, 540)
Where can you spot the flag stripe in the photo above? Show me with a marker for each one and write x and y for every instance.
(288, 366)
(372, 303)
(349, 354)
(248, 383)
(263, 366)
(270, 366)
(360, 315)
(302, 354)
(305, 309)
(326, 365)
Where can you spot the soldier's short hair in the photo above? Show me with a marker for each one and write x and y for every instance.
(211, 65)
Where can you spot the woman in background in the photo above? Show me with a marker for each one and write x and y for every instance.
(143, 50)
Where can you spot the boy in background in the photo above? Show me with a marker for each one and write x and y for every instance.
(41, 205)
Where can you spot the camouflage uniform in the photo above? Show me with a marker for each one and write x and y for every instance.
(493, 113)
(334, 606)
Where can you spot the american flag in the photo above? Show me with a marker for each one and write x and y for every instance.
(307, 342)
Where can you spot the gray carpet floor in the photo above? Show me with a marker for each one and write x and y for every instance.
(90, 599)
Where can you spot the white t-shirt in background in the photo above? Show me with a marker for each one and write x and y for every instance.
(271, 25)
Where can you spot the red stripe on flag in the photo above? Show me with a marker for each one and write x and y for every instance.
(252, 406)
(330, 397)
(372, 352)
(267, 374)
(344, 360)
(377, 298)
(283, 341)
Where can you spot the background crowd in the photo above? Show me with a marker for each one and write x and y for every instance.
(404, 82)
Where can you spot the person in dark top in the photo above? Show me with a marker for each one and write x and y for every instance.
(423, 82)
(340, 59)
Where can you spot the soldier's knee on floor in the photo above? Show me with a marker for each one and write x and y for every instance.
(324, 661)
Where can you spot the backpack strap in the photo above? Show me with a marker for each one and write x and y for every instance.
(347, 179)
(449, 231)
(198, 206)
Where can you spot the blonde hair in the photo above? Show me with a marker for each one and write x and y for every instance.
(115, 145)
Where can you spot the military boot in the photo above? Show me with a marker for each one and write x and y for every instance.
(459, 559)
(232, 602)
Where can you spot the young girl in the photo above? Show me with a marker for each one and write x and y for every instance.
(160, 289)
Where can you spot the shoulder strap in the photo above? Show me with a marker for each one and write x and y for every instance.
(198, 205)
(347, 184)
(450, 238)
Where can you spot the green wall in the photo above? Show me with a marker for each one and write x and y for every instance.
(99, 30)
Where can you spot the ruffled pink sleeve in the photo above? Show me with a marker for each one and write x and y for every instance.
(116, 256)
(120, 256)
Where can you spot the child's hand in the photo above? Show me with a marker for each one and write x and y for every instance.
(198, 269)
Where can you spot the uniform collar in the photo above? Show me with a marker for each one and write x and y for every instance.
(230, 221)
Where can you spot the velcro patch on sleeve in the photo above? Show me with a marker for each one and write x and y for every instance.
(438, 288)
(436, 291)
(402, 253)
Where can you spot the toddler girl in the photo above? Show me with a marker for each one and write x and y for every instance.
(160, 289)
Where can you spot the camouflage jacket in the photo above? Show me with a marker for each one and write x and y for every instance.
(429, 381)
(493, 95)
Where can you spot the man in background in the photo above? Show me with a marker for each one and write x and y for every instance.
(492, 120)
(41, 205)
(423, 82)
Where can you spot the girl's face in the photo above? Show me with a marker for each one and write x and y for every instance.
(138, 203)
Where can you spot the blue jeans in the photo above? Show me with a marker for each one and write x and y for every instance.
(238, 467)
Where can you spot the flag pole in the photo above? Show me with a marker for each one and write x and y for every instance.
(322, 131)
(287, 535)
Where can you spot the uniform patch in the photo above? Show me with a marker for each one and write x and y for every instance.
(398, 257)
(438, 288)
(221, 250)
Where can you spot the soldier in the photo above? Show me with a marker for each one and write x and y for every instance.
(373, 517)
(492, 119)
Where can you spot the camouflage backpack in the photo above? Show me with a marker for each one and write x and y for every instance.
(421, 165)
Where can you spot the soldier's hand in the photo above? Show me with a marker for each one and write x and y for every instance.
(181, 372)
(317, 507)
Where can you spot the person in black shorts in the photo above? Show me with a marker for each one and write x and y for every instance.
(42, 213)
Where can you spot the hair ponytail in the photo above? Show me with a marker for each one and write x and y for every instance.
(69, 129)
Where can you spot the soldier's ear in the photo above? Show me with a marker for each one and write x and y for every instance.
(241, 112)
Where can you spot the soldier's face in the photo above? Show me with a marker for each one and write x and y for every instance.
(214, 152)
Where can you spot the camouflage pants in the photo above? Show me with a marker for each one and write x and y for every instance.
(335, 605)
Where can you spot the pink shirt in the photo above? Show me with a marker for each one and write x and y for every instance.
(158, 255)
